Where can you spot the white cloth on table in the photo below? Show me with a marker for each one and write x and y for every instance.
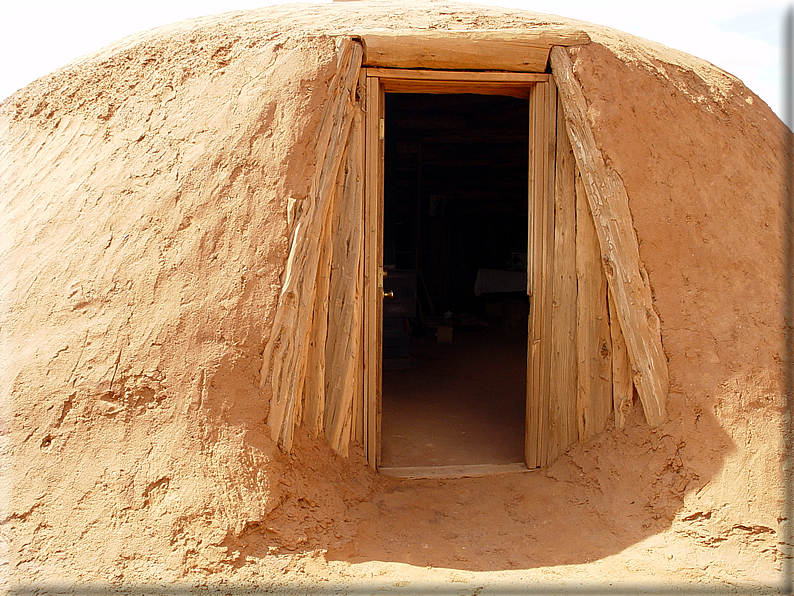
(499, 280)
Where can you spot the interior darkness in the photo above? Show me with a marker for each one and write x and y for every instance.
(455, 203)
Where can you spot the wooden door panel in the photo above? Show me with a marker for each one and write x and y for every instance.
(373, 268)
(542, 144)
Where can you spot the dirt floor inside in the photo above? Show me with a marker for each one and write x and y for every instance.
(461, 403)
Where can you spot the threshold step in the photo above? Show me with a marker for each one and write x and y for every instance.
(458, 471)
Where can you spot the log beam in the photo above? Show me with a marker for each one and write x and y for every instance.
(506, 50)
(629, 287)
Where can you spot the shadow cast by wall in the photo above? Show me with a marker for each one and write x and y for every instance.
(599, 499)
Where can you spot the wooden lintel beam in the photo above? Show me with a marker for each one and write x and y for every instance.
(508, 50)
(455, 76)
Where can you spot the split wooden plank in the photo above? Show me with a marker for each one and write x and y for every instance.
(507, 50)
(373, 255)
(628, 281)
(345, 305)
(314, 389)
(535, 402)
(622, 384)
(387, 75)
(455, 471)
(357, 434)
(563, 430)
(313, 403)
(338, 327)
(542, 118)
(358, 398)
(285, 357)
(519, 90)
(593, 339)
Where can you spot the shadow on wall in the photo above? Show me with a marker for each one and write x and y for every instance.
(597, 500)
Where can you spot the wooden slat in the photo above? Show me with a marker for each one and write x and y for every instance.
(563, 431)
(519, 90)
(455, 471)
(344, 299)
(542, 143)
(373, 255)
(388, 74)
(549, 147)
(510, 50)
(378, 410)
(622, 384)
(358, 398)
(536, 200)
(314, 396)
(628, 280)
(284, 360)
(593, 340)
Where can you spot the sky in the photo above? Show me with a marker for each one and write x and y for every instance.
(740, 36)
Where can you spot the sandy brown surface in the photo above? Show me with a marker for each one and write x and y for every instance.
(461, 402)
(143, 237)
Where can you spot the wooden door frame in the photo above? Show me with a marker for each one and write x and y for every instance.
(539, 88)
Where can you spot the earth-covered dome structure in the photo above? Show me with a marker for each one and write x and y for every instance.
(196, 225)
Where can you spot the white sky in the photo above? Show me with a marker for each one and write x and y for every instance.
(740, 36)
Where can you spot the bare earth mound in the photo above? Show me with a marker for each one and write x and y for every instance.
(144, 237)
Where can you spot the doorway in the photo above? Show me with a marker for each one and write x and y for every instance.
(455, 260)
(517, 112)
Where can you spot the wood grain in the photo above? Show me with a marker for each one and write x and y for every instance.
(622, 384)
(373, 257)
(284, 363)
(593, 339)
(628, 281)
(519, 90)
(343, 350)
(542, 134)
(563, 431)
(389, 75)
(507, 50)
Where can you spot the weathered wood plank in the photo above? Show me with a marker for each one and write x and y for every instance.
(388, 74)
(628, 280)
(535, 403)
(593, 340)
(509, 50)
(314, 396)
(542, 106)
(622, 384)
(519, 90)
(284, 359)
(550, 147)
(563, 430)
(358, 398)
(373, 255)
(343, 349)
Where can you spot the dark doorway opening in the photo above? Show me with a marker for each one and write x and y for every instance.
(455, 252)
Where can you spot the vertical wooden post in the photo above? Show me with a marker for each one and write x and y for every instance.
(594, 342)
(311, 409)
(563, 430)
(373, 263)
(361, 136)
(542, 142)
(344, 309)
